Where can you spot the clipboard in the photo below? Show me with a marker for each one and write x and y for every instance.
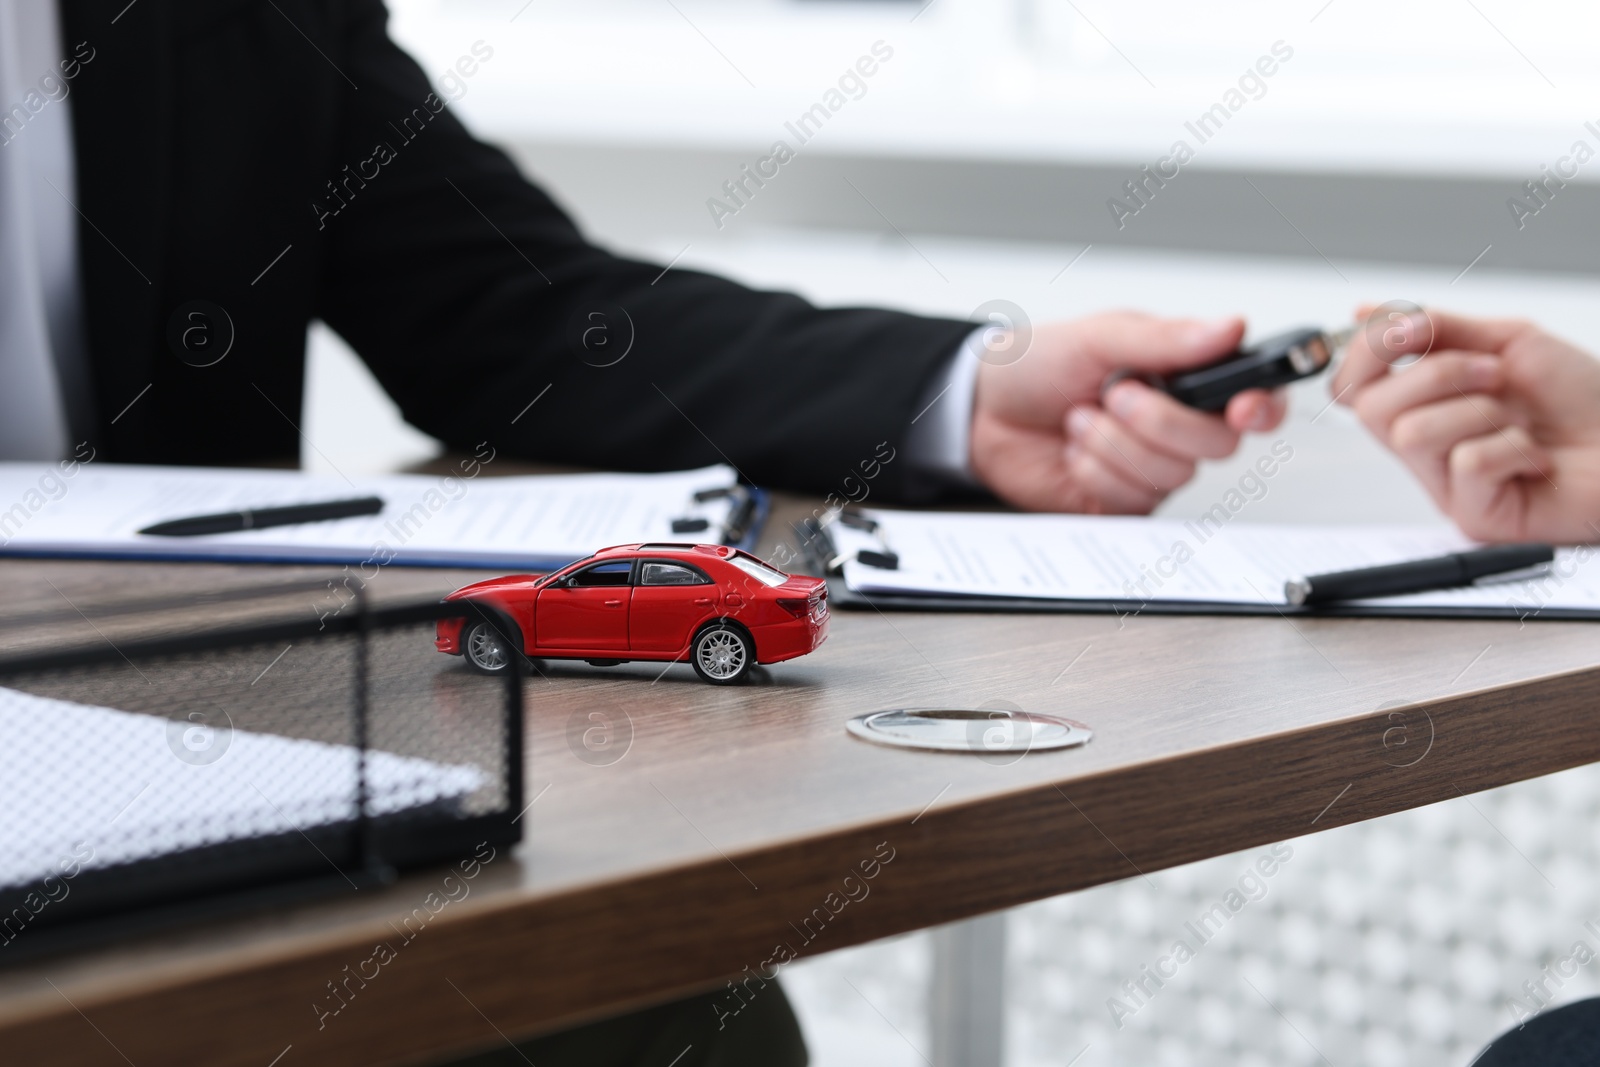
(513, 523)
(822, 556)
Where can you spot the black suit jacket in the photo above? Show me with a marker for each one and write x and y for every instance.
(217, 137)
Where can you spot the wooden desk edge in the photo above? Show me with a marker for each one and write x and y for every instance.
(952, 862)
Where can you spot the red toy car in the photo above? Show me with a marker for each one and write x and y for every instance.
(720, 609)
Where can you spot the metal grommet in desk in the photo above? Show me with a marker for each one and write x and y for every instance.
(981, 731)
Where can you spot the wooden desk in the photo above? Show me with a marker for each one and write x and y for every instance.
(736, 813)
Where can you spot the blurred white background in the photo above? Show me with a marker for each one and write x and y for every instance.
(1393, 942)
(1430, 85)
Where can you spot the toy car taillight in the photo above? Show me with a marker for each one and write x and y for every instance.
(799, 607)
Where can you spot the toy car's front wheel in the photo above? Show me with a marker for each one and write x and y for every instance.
(722, 654)
(485, 649)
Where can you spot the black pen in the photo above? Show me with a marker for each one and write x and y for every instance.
(1417, 576)
(260, 518)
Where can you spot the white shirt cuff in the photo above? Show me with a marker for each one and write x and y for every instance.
(940, 437)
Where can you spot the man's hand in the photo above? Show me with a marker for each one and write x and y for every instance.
(1500, 421)
(1042, 438)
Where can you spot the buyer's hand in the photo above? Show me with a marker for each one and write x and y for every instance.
(1500, 421)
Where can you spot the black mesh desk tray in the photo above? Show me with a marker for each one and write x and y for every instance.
(150, 781)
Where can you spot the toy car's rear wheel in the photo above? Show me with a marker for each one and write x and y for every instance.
(722, 655)
(485, 649)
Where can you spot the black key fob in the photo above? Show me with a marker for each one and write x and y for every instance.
(1267, 364)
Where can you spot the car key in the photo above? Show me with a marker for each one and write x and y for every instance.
(1267, 364)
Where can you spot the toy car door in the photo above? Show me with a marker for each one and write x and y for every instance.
(586, 610)
(670, 601)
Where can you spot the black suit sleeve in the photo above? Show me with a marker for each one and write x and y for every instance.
(471, 295)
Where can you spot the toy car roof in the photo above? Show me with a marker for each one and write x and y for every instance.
(720, 551)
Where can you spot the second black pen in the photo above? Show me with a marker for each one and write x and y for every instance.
(1416, 576)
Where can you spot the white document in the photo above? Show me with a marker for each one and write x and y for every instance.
(1085, 557)
(106, 786)
(533, 521)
